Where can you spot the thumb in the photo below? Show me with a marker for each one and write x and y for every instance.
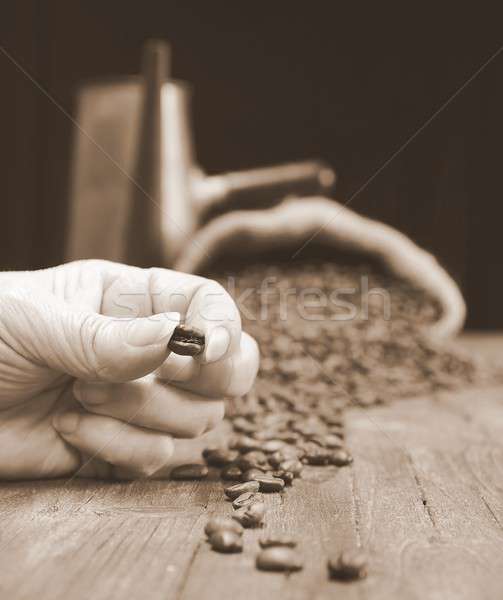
(83, 343)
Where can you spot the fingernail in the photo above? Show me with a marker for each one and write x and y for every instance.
(153, 330)
(66, 423)
(217, 345)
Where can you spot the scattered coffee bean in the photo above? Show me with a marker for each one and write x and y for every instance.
(244, 443)
(191, 471)
(220, 457)
(187, 341)
(279, 558)
(349, 564)
(293, 466)
(277, 540)
(226, 541)
(295, 411)
(272, 446)
(316, 455)
(255, 459)
(231, 473)
(270, 484)
(236, 490)
(243, 425)
(222, 523)
(252, 474)
(286, 476)
(340, 458)
(333, 441)
(250, 516)
(245, 500)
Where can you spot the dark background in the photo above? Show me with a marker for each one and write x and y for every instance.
(275, 81)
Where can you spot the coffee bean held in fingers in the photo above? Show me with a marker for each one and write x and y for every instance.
(189, 472)
(279, 558)
(187, 341)
(348, 565)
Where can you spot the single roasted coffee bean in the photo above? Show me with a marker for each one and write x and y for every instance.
(339, 431)
(243, 425)
(282, 539)
(272, 446)
(226, 541)
(250, 516)
(190, 471)
(340, 458)
(349, 564)
(270, 484)
(222, 523)
(286, 453)
(334, 419)
(333, 441)
(255, 459)
(293, 466)
(244, 443)
(289, 437)
(279, 558)
(187, 341)
(233, 491)
(231, 473)
(245, 499)
(264, 435)
(252, 474)
(286, 476)
(220, 457)
(276, 458)
(316, 455)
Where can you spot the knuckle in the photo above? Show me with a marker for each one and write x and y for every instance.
(87, 339)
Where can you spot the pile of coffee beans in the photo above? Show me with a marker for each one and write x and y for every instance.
(330, 337)
(342, 335)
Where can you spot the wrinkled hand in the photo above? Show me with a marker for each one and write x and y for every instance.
(87, 384)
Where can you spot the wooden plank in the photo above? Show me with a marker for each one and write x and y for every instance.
(424, 497)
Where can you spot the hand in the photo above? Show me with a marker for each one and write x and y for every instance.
(87, 386)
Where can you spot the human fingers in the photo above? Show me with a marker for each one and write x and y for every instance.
(232, 376)
(142, 451)
(149, 402)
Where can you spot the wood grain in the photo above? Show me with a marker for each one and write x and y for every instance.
(424, 498)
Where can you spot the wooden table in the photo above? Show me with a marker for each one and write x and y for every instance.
(425, 497)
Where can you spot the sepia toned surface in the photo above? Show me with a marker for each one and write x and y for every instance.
(424, 497)
(275, 82)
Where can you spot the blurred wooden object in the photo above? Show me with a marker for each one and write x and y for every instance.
(103, 161)
(424, 497)
(138, 194)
